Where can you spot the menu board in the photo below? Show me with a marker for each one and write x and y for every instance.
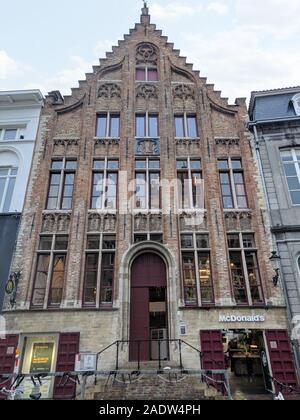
(42, 355)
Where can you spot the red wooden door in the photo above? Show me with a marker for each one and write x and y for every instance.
(281, 357)
(8, 348)
(213, 357)
(68, 347)
(140, 325)
(147, 271)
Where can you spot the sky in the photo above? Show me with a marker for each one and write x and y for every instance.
(239, 45)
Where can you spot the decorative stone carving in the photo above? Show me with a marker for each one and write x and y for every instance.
(109, 223)
(193, 221)
(56, 222)
(98, 222)
(246, 221)
(231, 221)
(107, 141)
(140, 222)
(227, 141)
(68, 141)
(147, 147)
(109, 91)
(147, 91)
(146, 53)
(238, 221)
(184, 92)
(187, 142)
(155, 222)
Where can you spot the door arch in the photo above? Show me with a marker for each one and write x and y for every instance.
(148, 307)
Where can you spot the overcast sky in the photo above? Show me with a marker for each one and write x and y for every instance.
(240, 45)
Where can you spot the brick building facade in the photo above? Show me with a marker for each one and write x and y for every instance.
(97, 267)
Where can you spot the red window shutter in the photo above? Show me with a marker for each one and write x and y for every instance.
(68, 347)
(213, 357)
(282, 359)
(8, 348)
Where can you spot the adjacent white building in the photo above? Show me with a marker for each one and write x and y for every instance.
(19, 121)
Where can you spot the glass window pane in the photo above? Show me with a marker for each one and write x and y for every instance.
(112, 164)
(55, 179)
(236, 164)
(152, 75)
(52, 203)
(287, 156)
(99, 164)
(293, 183)
(290, 170)
(295, 195)
(248, 241)
(233, 241)
(101, 125)
(179, 127)
(109, 242)
(140, 74)
(202, 241)
(9, 194)
(238, 279)
(92, 261)
(2, 187)
(66, 203)
(140, 164)
(45, 243)
(3, 172)
(182, 164)
(61, 242)
(69, 179)
(206, 288)
(187, 241)
(223, 164)
(242, 202)
(154, 164)
(140, 126)
(156, 238)
(192, 126)
(195, 164)
(57, 164)
(14, 171)
(10, 134)
(228, 203)
(140, 238)
(114, 126)
(154, 190)
(93, 242)
(254, 277)
(71, 164)
(153, 126)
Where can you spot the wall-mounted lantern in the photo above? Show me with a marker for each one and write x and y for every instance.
(275, 258)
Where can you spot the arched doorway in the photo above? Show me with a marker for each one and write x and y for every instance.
(148, 308)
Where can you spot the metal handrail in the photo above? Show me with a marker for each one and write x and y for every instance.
(283, 386)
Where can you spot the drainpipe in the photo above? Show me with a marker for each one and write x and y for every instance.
(295, 345)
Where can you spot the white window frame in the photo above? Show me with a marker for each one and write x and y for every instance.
(106, 171)
(18, 128)
(296, 163)
(185, 116)
(147, 68)
(190, 172)
(7, 179)
(109, 115)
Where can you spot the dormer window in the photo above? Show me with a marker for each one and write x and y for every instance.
(296, 103)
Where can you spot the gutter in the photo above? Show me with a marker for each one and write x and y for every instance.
(275, 120)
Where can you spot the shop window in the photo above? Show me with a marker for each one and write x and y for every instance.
(99, 270)
(108, 125)
(190, 185)
(50, 271)
(246, 280)
(196, 265)
(232, 183)
(105, 184)
(147, 184)
(61, 184)
(186, 126)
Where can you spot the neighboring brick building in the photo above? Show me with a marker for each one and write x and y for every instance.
(94, 272)
(275, 122)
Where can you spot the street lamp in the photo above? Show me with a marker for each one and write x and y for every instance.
(275, 258)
